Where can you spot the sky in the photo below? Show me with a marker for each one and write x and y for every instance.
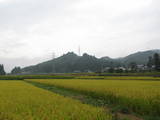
(32, 30)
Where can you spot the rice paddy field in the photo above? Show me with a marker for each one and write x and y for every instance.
(22, 101)
(134, 96)
(140, 95)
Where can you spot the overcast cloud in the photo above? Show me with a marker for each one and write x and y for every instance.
(31, 30)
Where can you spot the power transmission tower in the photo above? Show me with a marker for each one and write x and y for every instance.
(53, 55)
(79, 51)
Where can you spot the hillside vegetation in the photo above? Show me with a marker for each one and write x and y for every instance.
(70, 62)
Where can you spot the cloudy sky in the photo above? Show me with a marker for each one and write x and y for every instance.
(31, 30)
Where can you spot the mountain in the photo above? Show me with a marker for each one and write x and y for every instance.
(68, 63)
(71, 62)
(61, 64)
(139, 57)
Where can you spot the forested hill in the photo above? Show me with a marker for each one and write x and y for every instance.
(139, 57)
(71, 62)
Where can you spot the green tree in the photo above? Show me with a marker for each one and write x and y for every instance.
(111, 70)
(133, 66)
(2, 72)
(150, 62)
(157, 62)
(16, 70)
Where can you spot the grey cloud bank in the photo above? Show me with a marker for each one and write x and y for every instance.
(30, 30)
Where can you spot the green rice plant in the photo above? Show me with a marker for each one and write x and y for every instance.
(22, 101)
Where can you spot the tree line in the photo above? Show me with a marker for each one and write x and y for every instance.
(154, 62)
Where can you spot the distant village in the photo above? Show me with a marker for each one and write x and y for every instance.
(122, 69)
(135, 68)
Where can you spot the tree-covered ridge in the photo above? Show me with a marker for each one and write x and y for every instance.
(71, 62)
